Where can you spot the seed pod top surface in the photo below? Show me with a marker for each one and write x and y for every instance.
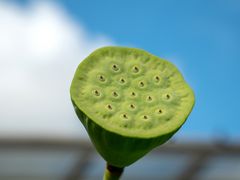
(131, 92)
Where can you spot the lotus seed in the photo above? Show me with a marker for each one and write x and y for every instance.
(134, 86)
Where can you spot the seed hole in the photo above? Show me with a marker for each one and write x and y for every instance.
(109, 106)
(115, 67)
(125, 116)
(115, 94)
(102, 78)
(133, 94)
(168, 96)
(141, 84)
(149, 98)
(96, 92)
(145, 117)
(157, 78)
(160, 111)
(135, 69)
(132, 106)
(122, 80)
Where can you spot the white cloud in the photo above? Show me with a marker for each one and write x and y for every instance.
(40, 48)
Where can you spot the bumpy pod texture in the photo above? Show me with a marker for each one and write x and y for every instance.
(129, 102)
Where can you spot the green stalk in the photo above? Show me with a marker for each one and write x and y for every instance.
(112, 172)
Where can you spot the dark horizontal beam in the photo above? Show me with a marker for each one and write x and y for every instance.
(60, 144)
(216, 147)
(199, 152)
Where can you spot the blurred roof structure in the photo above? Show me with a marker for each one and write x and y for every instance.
(41, 159)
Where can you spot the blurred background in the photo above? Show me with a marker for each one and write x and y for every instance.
(42, 43)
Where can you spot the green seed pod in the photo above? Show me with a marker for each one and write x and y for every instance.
(129, 102)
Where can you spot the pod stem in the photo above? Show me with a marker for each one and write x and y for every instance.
(112, 172)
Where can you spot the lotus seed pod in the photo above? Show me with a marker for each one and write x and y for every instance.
(129, 101)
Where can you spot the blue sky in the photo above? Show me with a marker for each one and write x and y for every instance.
(201, 37)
